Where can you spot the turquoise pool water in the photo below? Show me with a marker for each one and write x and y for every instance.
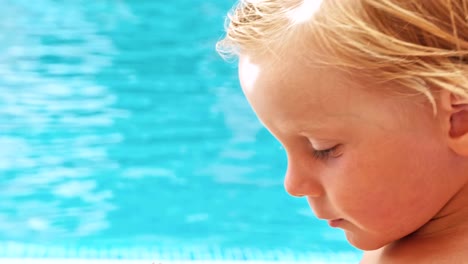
(124, 135)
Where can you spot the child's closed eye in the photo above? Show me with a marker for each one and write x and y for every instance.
(325, 153)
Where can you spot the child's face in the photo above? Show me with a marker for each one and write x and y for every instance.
(388, 175)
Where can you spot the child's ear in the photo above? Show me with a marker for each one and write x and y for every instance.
(454, 115)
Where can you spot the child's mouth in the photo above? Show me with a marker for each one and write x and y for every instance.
(335, 222)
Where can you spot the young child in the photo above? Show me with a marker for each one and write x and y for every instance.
(370, 100)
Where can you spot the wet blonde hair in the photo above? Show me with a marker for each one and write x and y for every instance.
(421, 44)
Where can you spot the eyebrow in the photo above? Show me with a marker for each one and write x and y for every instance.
(306, 128)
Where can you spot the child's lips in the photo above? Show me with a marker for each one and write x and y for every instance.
(335, 222)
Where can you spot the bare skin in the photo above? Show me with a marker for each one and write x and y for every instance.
(442, 240)
(393, 177)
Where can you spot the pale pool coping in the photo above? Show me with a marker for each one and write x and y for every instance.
(19, 253)
(100, 261)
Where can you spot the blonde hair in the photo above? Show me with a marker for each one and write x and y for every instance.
(421, 44)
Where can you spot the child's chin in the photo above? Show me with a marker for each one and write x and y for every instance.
(364, 242)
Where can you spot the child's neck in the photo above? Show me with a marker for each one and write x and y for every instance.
(453, 217)
(444, 237)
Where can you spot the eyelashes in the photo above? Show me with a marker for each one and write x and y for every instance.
(325, 154)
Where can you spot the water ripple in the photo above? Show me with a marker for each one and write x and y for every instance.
(120, 124)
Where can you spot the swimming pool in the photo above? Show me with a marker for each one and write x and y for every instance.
(125, 136)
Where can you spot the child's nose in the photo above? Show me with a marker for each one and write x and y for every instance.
(300, 181)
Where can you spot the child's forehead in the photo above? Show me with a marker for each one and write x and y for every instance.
(290, 82)
(294, 70)
(291, 98)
